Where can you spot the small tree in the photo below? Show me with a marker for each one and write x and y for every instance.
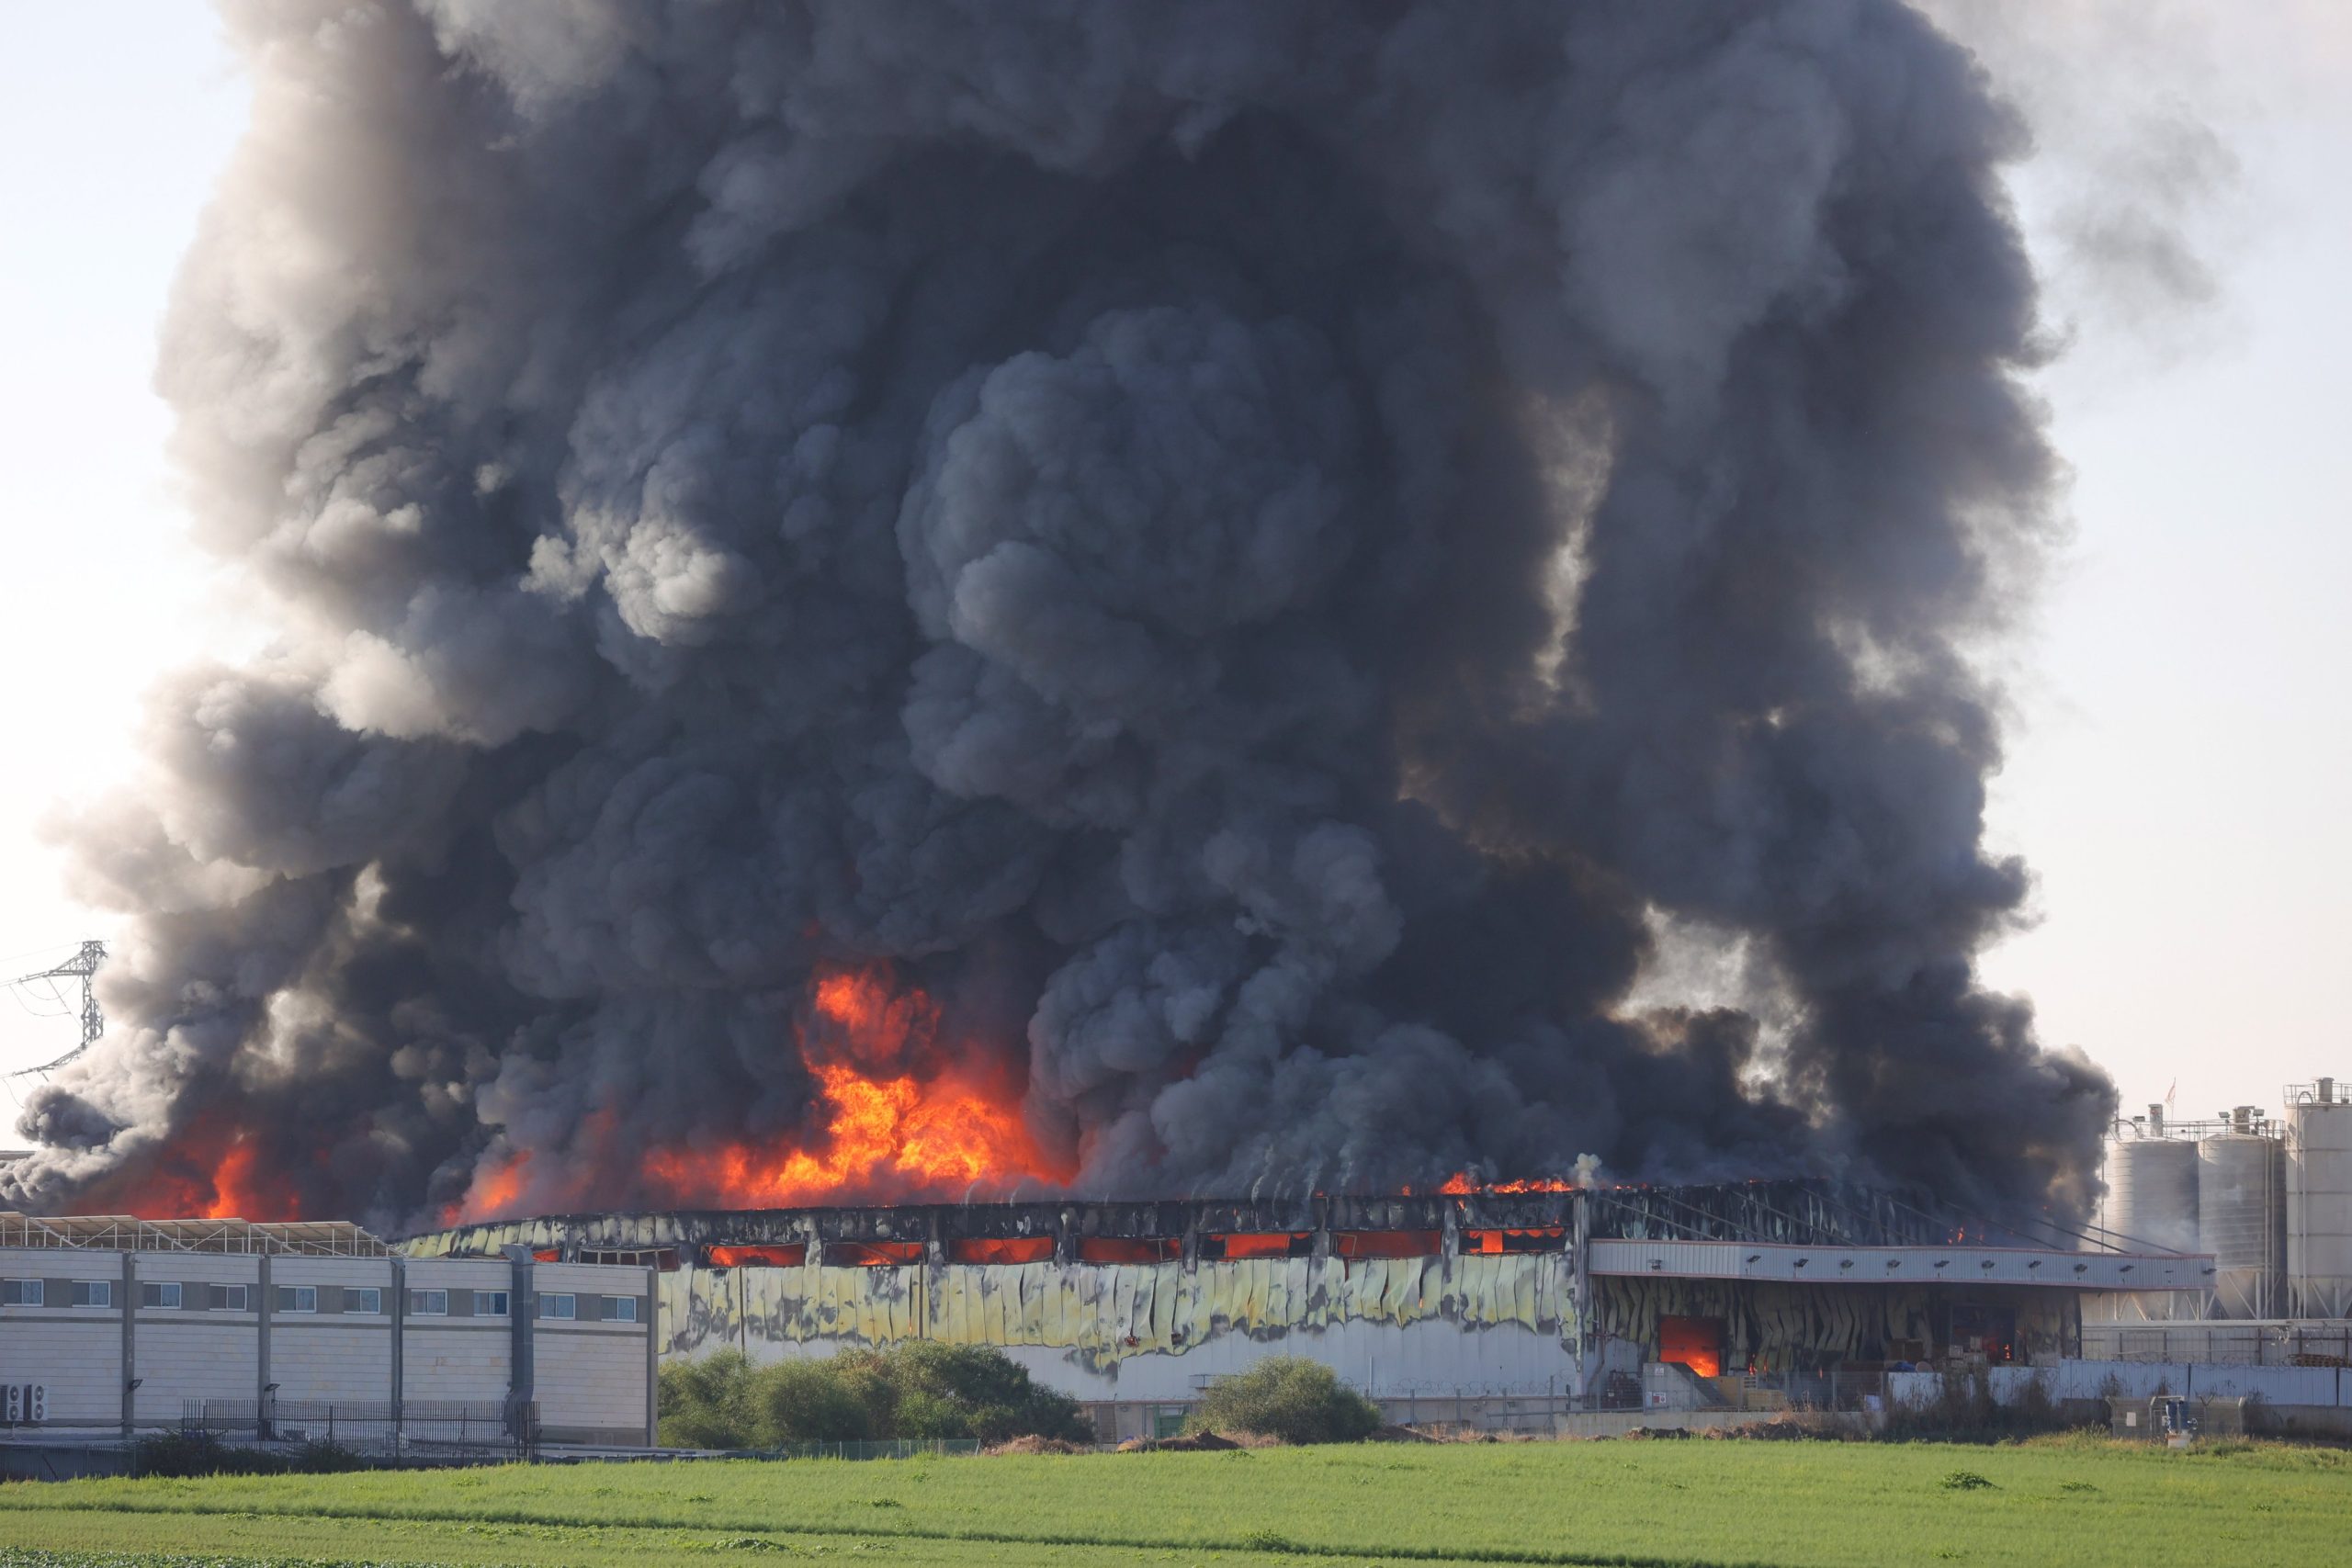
(705, 1403)
(815, 1401)
(1291, 1399)
(974, 1390)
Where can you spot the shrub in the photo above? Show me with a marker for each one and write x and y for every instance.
(185, 1455)
(1291, 1399)
(1962, 1410)
(814, 1402)
(974, 1390)
(705, 1403)
(917, 1390)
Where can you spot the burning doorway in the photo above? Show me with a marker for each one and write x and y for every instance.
(1695, 1342)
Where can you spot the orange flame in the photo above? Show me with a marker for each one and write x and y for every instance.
(212, 1169)
(493, 1194)
(1460, 1184)
(235, 1193)
(889, 1129)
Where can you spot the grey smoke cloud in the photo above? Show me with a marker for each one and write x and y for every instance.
(1063, 499)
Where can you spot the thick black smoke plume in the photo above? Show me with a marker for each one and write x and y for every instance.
(1256, 552)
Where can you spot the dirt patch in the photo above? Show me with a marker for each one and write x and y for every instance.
(1034, 1444)
(1781, 1429)
(1190, 1443)
(1395, 1434)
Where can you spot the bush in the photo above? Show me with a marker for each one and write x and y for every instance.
(815, 1401)
(974, 1390)
(1291, 1399)
(185, 1455)
(706, 1404)
(921, 1388)
(1962, 1410)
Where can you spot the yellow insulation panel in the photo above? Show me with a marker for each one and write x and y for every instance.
(1102, 1314)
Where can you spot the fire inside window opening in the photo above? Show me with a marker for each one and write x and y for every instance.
(758, 1255)
(1002, 1249)
(1388, 1244)
(1546, 1239)
(1258, 1244)
(872, 1254)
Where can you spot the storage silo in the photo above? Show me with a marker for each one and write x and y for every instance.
(2319, 1201)
(2152, 1186)
(2242, 1214)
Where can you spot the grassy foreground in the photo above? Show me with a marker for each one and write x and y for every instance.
(2074, 1500)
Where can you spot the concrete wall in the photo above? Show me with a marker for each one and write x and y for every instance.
(2302, 1400)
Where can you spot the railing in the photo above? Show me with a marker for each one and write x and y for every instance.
(893, 1447)
(373, 1426)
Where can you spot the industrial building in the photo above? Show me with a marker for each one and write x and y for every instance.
(1502, 1308)
(2270, 1198)
(314, 1330)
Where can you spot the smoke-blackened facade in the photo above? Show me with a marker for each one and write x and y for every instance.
(922, 598)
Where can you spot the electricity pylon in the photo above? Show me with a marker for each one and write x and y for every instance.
(81, 966)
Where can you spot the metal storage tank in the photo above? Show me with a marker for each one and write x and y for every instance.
(2151, 1188)
(2242, 1215)
(2319, 1201)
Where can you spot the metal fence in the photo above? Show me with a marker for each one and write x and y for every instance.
(453, 1427)
(895, 1448)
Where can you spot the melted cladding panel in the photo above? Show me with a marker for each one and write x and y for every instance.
(1098, 1317)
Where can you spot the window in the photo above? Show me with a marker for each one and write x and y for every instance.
(428, 1304)
(564, 1306)
(620, 1309)
(356, 1299)
(229, 1298)
(155, 1295)
(297, 1298)
(93, 1293)
(20, 1292)
(490, 1303)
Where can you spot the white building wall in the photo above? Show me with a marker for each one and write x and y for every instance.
(331, 1355)
(470, 1362)
(458, 1357)
(592, 1374)
(460, 1274)
(180, 1361)
(590, 1381)
(192, 1352)
(74, 1353)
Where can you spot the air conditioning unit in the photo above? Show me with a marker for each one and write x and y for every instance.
(12, 1403)
(37, 1402)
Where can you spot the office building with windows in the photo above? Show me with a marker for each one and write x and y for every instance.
(145, 1325)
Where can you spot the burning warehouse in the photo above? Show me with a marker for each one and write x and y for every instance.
(888, 602)
(1492, 1307)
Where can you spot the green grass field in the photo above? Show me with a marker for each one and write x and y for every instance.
(1817, 1504)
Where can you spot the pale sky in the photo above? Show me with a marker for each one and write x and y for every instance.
(2181, 747)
